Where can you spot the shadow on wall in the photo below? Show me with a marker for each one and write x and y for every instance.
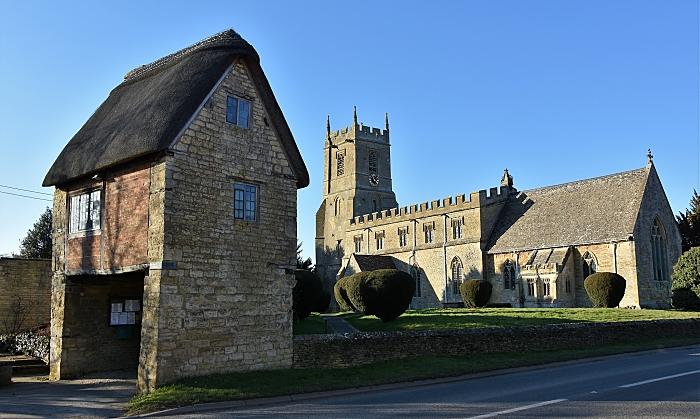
(425, 294)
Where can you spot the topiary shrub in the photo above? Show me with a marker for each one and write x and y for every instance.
(306, 293)
(475, 292)
(686, 272)
(385, 293)
(605, 289)
(685, 299)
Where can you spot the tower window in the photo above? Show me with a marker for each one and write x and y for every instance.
(373, 162)
(237, 111)
(340, 160)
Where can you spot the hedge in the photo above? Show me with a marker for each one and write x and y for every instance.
(306, 294)
(686, 272)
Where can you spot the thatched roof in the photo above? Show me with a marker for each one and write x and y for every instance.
(145, 113)
(597, 210)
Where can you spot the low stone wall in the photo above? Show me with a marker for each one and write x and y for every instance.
(25, 293)
(362, 348)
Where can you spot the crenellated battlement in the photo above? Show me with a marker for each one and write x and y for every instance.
(433, 208)
(359, 132)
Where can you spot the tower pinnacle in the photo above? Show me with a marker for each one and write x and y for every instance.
(507, 179)
(328, 127)
(650, 158)
(386, 121)
(354, 115)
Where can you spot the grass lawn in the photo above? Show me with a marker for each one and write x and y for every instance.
(289, 381)
(458, 318)
(312, 325)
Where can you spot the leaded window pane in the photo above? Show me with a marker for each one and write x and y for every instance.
(245, 201)
(243, 113)
(232, 110)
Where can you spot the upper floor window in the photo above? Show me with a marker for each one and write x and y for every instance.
(429, 232)
(457, 228)
(237, 111)
(509, 275)
(245, 201)
(403, 236)
(358, 243)
(379, 237)
(659, 257)
(589, 266)
(85, 211)
(338, 206)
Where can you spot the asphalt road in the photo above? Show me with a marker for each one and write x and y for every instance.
(664, 383)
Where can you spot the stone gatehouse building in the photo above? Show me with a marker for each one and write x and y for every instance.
(175, 223)
(535, 247)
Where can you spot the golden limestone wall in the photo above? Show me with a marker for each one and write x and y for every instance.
(225, 295)
(25, 299)
(434, 258)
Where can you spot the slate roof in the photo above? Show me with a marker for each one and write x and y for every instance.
(374, 262)
(594, 210)
(145, 113)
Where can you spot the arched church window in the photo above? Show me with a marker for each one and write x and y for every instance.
(509, 275)
(415, 273)
(457, 273)
(338, 206)
(659, 257)
(589, 265)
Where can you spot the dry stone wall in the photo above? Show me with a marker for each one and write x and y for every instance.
(25, 295)
(312, 351)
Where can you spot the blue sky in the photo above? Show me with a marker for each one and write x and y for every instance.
(554, 90)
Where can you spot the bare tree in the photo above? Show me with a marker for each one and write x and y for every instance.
(17, 316)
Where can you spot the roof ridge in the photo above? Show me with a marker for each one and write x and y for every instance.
(228, 34)
(585, 180)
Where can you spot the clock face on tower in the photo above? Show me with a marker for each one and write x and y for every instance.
(373, 179)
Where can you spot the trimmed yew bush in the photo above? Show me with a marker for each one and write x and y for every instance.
(475, 292)
(385, 293)
(605, 289)
(306, 293)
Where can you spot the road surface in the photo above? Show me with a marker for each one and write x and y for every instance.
(663, 383)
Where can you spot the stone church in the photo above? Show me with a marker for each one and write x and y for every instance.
(535, 247)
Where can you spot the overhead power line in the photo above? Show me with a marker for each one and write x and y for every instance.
(26, 196)
(25, 190)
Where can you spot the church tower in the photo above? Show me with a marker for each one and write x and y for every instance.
(356, 181)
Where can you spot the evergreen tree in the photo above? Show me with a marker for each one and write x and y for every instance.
(301, 263)
(689, 223)
(37, 243)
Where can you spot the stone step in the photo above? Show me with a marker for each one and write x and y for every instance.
(37, 369)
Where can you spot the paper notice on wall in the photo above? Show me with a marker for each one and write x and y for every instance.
(116, 307)
(115, 319)
(131, 318)
(132, 305)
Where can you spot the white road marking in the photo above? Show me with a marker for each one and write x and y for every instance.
(518, 409)
(697, 354)
(668, 377)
